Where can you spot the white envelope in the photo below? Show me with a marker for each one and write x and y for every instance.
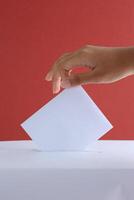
(69, 122)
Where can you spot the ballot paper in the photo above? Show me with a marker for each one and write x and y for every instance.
(71, 121)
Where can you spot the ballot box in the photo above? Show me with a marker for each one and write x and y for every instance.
(105, 172)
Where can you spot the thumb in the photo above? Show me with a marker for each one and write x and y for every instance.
(80, 79)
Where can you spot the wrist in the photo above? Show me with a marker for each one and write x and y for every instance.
(125, 58)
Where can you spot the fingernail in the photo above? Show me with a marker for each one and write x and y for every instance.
(55, 92)
(47, 78)
(55, 89)
(65, 84)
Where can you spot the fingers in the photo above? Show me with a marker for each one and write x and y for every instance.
(80, 79)
(56, 74)
(66, 62)
(56, 80)
(49, 76)
(56, 83)
(62, 68)
(73, 60)
(65, 74)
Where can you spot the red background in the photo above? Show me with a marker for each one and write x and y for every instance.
(35, 33)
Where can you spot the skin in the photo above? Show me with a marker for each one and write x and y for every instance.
(105, 64)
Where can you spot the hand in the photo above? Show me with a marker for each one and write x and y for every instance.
(106, 64)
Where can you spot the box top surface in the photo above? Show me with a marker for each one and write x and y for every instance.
(103, 155)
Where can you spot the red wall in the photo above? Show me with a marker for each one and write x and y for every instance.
(34, 33)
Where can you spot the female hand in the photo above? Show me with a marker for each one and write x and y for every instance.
(106, 64)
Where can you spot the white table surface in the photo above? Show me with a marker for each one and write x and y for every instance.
(106, 172)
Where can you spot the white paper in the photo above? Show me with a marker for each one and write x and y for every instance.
(69, 122)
